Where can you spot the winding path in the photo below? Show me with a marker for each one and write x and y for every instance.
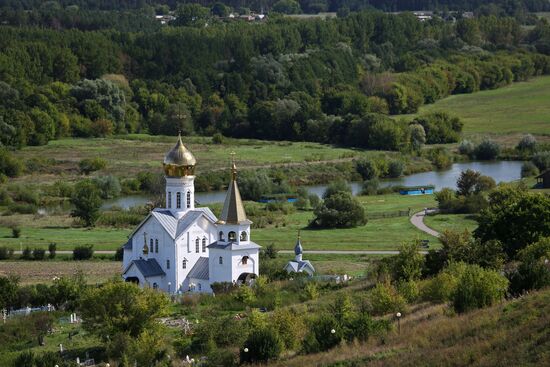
(417, 220)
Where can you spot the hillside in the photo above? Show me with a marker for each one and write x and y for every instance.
(515, 333)
(516, 109)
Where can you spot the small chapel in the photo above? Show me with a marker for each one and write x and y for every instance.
(181, 248)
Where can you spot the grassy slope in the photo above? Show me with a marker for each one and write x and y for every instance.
(514, 333)
(516, 109)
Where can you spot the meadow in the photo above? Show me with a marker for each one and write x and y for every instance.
(455, 222)
(377, 234)
(516, 109)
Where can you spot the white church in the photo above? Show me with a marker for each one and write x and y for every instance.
(181, 248)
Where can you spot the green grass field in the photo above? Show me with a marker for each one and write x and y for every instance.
(455, 222)
(519, 108)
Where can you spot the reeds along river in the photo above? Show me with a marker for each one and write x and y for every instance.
(500, 171)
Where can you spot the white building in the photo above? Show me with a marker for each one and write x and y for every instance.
(181, 248)
(298, 265)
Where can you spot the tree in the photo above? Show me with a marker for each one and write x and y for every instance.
(340, 210)
(336, 187)
(534, 270)
(514, 217)
(121, 308)
(467, 181)
(8, 291)
(87, 201)
(287, 7)
(191, 15)
(478, 288)
(527, 143)
(418, 136)
(320, 336)
(487, 150)
(367, 169)
(408, 264)
(262, 345)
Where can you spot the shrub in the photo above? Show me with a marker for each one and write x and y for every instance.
(478, 288)
(26, 254)
(487, 150)
(529, 169)
(340, 210)
(395, 169)
(9, 165)
(119, 254)
(52, 248)
(108, 185)
(466, 147)
(89, 165)
(527, 143)
(217, 138)
(38, 254)
(367, 169)
(542, 160)
(83, 252)
(534, 269)
(440, 127)
(370, 187)
(408, 264)
(384, 299)
(336, 187)
(261, 345)
(320, 336)
(15, 232)
(6, 253)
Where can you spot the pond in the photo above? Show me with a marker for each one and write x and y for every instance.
(500, 171)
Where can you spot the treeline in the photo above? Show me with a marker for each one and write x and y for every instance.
(330, 81)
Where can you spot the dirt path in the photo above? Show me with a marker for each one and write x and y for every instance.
(417, 220)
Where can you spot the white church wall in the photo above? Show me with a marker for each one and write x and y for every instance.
(220, 272)
(238, 267)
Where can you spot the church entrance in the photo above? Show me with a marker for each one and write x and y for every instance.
(134, 280)
(246, 278)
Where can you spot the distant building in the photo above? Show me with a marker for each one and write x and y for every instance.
(544, 179)
(298, 265)
(417, 190)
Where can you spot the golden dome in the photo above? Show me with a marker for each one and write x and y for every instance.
(179, 161)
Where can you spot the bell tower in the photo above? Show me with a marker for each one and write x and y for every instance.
(179, 169)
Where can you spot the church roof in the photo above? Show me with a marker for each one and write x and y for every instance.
(148, 268)
(128, 245)
(233, 208)
(179, 155)
(298, 266)
(298, 248)
(200, 270)
(174, 226)
(234, 246)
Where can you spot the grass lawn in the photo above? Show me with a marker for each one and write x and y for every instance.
(519, 108)
(378, 234)
(455, 222)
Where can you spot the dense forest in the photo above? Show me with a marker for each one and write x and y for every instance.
(325, 80)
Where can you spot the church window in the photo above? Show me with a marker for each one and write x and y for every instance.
(168, 264)
(151, 245)
(221, 236)
(200, 286)
(232, 236)
(157, 246)
(204, 244)
(244, 236)
(169, 201)
(178, 200)
(197, 244)
(155, 286)
(245, 260)
(188, 199)
(220, 260)
(184, 264)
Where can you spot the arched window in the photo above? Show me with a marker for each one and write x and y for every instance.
(200, 287)
(155, 285)
(244, 260)
(169, 200)
(184, 264)
(197, 244)
(188, 199)
(157, 246)
(178, 200)
(220, 260)
(221, 235)
(232, 236)
(244, 236)
(151, 245)
(204, 244)
(167, 264)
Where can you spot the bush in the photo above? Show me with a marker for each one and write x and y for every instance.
(367, 169)
(6, 253)
(52, 248)
(440, 127)
(320, 336)
(340, 210)
(26, 254)
(466, 147)
(527, 143)
(83, 252)
(542, 160)
(534, 270)
(487, 150)
(119, 254)
(261, 345)
(15, 232)
(38, 254)
(9, 165)
(384, 299)
(217, 138)
(528, 169)
(395, 169)
(89, 165)
(370, 187)
(478, 288)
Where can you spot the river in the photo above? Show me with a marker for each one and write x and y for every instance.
(500, 171)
